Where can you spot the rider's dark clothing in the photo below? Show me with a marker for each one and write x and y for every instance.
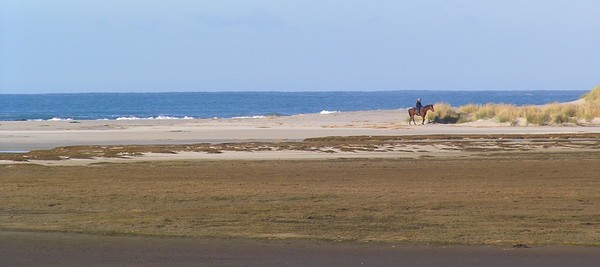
(419, 106)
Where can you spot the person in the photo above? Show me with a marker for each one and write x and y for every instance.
(419, 106)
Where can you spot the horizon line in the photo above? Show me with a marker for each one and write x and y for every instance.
(300, 91)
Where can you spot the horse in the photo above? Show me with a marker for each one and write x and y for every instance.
(413, 111)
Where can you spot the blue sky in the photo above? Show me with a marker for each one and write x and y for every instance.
(276, 45)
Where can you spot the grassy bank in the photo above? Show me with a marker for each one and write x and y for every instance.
(551, 114)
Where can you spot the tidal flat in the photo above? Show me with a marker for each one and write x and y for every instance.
(508, 197)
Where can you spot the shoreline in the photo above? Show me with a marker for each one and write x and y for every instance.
(35, 135)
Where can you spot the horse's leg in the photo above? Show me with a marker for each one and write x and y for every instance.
(423, 123)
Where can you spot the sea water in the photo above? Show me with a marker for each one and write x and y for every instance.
(191, 105)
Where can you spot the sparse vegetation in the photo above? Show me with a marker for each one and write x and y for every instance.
(444, 113)
(554, 113)
(486, 111)
(593, 96)
(508, 113)
(331, 144)
(510, 198)
(590, 109)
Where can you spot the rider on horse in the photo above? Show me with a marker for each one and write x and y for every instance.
(420, 111)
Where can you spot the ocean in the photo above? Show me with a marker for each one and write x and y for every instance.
(192, 105)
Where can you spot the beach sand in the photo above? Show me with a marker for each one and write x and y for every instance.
(34, 135)
(361, 182)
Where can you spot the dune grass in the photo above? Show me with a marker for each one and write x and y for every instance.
(593, 95)
(444, 113)
(550, 114)
(591, 107)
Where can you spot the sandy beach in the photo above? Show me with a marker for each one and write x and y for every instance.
(34, 135)
(326, 184)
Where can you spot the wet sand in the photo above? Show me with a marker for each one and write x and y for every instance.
(66, 249)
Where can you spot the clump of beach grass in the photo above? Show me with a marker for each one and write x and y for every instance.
(593, 96)
(444, 113)
(486, 111)
(561, 113)
(590, 109)
(508, 113)
(534, 115)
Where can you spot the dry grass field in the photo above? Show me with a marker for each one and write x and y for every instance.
(505, 198)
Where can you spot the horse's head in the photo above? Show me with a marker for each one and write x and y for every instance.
(432, 109)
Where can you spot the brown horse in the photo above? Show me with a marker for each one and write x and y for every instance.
(413, 111)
